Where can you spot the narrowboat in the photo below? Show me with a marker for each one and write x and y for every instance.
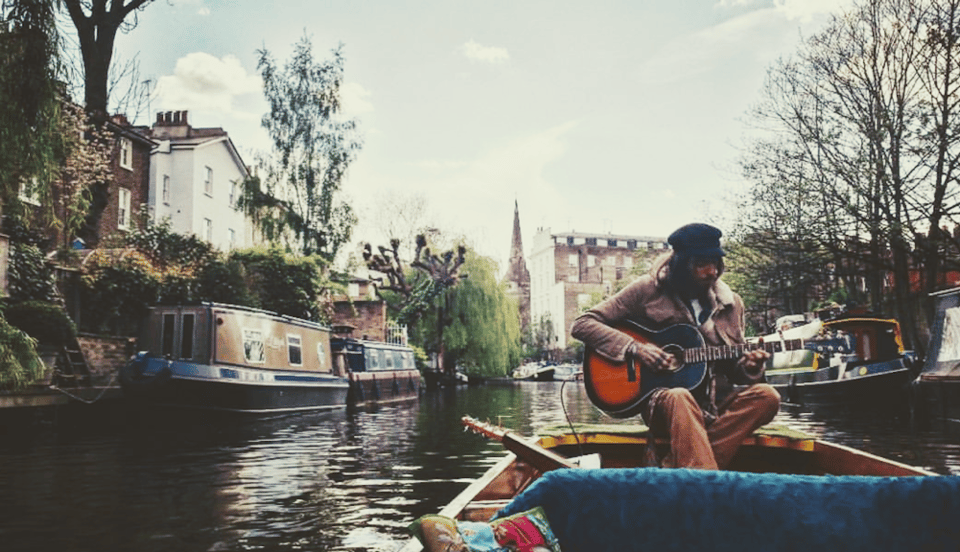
(535, 371)
(874, 368)
(379, 372)
(936, 390)
(230, 358)
(588, 485)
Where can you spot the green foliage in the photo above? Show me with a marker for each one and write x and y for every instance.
(480, 324)
(224, 281)
(46, 322)
(312, 148)
(284, 283)
(168, 268)
(19, 363)
(30, 275)
(31, 143)
(116, 291)
(167, 249)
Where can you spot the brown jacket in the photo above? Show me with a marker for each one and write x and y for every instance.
(650, 302)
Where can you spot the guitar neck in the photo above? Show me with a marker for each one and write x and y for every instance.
(529, 451)
(726, 352)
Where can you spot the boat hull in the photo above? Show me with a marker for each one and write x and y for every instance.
(384, 386)
(880, 382)
(155, 382)
(770, 451)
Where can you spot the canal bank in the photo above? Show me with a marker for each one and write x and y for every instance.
(83, 376)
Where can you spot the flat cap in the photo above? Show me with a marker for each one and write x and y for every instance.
(697, 240)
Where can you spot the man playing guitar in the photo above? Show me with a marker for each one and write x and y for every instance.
(707, 419)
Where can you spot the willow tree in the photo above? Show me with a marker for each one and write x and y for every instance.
(30, 67)
(296, 195)
(480, 323)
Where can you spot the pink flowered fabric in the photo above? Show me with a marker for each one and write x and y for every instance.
(524, 532)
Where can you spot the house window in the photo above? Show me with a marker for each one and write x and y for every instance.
(126, 153)
(166, 189)
(591, 260)
(233, 194)
(572, 260)
(233, 237)
(208, 229)
(253, 346)
(123, 208)
(591, 241)
(612, 243)
(208, 183)
(30, 192)
(294, 351)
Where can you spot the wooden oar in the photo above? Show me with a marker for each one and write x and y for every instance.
(526, 449)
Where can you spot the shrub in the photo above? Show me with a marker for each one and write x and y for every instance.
(19, 363)
(43, 321)
(30, 276)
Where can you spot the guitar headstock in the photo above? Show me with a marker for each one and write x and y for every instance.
(835, 342)
(483, 428)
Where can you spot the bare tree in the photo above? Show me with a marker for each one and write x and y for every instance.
(97, 23)
(860, 121)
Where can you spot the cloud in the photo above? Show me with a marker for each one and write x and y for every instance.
(719, 45)
(484, 54)
(355, 99)
(202, 81)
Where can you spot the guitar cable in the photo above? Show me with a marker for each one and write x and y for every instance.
(571, 377)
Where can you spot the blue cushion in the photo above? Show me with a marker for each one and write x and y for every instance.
(656, 509)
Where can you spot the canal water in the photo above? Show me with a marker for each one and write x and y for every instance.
(114, 479)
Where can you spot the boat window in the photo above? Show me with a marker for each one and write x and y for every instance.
(253, 346)
(294, 353)
(166, 341)
(408, 360)
(321, 355)
(186, 337)
(389, 360)
(373, 359)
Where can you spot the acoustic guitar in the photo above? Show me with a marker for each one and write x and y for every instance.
(619, 388)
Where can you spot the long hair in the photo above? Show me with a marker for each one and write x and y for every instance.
(674, 270)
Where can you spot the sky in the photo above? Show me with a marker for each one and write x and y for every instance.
(622, 117)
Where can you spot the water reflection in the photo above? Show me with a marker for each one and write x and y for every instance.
(343, 481)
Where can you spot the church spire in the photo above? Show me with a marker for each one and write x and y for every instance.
(517, 274)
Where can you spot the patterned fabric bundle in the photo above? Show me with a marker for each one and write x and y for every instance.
(526, 531)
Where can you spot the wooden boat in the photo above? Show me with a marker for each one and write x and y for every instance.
(936, 389)
(877, 370)
(378, 371)
(222, 357)
(770, 452)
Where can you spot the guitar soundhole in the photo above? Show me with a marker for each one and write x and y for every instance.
(676, 354)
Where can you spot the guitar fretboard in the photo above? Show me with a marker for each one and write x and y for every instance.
(725, 352)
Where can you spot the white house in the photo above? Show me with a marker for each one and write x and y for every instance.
(195, 179)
